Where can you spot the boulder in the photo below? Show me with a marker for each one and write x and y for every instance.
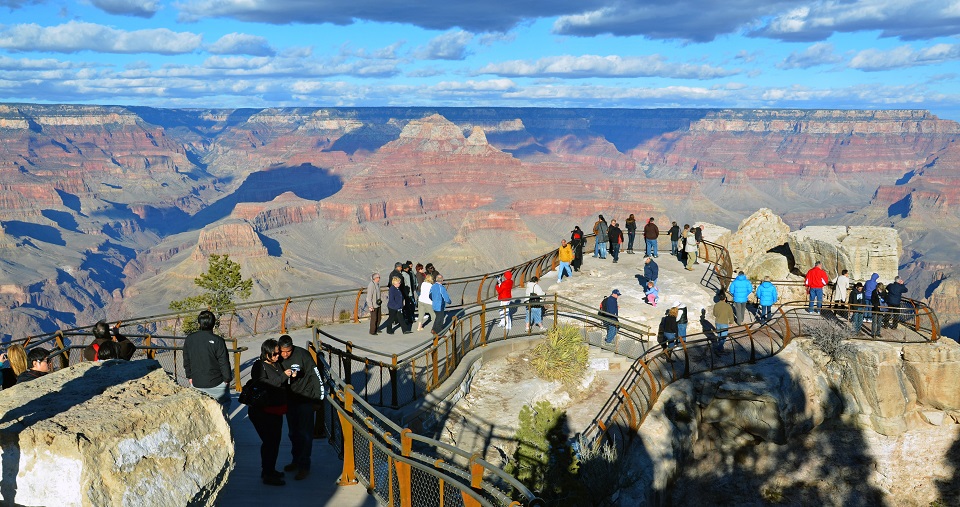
(933, 368)
(112, 433)
(756, 235)
(861, 250)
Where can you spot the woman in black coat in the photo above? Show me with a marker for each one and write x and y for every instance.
(266, 413)
(576, 241)
(876, 301)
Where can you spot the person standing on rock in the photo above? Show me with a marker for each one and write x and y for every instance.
(766, 298)
(576, 242)
(674, 233)
(723, 319)
(611, 310)
(690, 248)
(206, 361)
(304, 388)
(374, 303)
(39, 360)
(395, 302)
(681, 253)
(440, 299)
(535, 295)
(650, 235)
(815, 281)
(858, 306)
(631, 225)
(505, 296)
(698, 235)
(670, 330)
(895, 292)
(266, 415)
(841, 289)
(600, 247)
(615, 235)
(564, 257)
(410, 295)
(740, 288)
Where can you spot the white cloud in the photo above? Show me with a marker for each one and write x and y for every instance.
(76, 36)
(587, 66)
(906, 19)
(449, 46)
(904, 56)
(138, 8)
(241, 44)
(820, 53)
(498, 85)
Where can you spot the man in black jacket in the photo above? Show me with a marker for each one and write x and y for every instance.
(103, 333)
(39, 361)
(895, 292)
(206, 363)
(305, 388)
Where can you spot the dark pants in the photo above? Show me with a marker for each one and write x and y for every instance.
(739, 310)
(397, 318)
(270, 428)
(374, 319)
(877, 322)
(615, 251)
(300, 429)
(440, 316)
(630, 237)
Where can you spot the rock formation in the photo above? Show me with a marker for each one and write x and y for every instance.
(757, 234)
(861, 250)
(112, 433)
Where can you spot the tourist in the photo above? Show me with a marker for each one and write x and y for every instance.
(410, 294)
(876, 304)
(815, 280)
(670, 329)
(206, 362)
(430, 269)
(723, 319)
(424, 304)
(267, 414)
(681, 320)
(674, 233)
(631, 225)
(576, 242)
(615, 235)
(440, 299)
(304, 388)
(650, 235)
(681, 254)
(651, 294)
(505, 296)
(858, 301)
(565, 257)
(690, 248)
(651, 271)
(421, 275)
(395, 303)
(108, 350)
(39, 360)
(698, 236)
(766, 298)
(374, 303)
(740, 288)
(16, 363)
(895, 292)
(841, 289)
(600, 245)
(103, 333)
(611, 310)
(535, 295)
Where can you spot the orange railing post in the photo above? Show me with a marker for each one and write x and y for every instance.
(349, 475)
(283, 317)
(403, 469)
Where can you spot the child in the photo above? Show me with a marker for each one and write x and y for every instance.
(653, 294)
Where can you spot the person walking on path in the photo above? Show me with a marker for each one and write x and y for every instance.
(670, 329)
(650, 235)
(841, 290)
(815, 281)
(304, 389)
(565, 257)
(723, 319)
(740, 288)
(600, 229)
(424, 304)
(631, 225)
(267, 414)
(535, 295)
(615, 236)
(690, 248)
(766, 298)
(374, 303)
(611, 310)
(895, 292)
(206, 362)
(505, 296)
(576, 242)
(395, 302)
(674, 238)
(440, 299)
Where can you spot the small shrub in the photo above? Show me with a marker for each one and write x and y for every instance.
(772, 494)
(344, 316)
(543, 461)
(562, 355)
(598, 471)
(831, 339)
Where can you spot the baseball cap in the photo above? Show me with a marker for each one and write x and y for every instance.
(616, 291)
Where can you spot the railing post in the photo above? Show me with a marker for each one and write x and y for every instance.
(283, 317)
(256, 319)
(347, 361)
(236, 365)
(306, 317)
(349, 475)
(555, 311)
(403, 469)
(394, 388)
(65, 355)
(476, 479)
(151, 354)
(356, 306)
(435, 358)
(480, 289)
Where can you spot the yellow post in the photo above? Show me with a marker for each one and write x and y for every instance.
(236, 365)
(148, 341)
(403, 470)
(476, 478)
(349, 475)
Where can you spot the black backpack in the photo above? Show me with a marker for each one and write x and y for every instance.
(603, 308)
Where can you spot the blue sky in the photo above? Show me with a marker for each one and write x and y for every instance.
(873, 54)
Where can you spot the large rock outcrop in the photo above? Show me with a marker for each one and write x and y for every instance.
(756, 235)
(861, 250)
(112, 433)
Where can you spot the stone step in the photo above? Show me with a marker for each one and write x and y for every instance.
(614, 362)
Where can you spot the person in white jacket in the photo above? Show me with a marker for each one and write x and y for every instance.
(535, 295)
(841, 290)
(424, 303)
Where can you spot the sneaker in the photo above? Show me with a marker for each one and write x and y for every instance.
(301, 475)
(614, 261)
(291, 467)
(271, 473)
(408, 332)
(274, 481)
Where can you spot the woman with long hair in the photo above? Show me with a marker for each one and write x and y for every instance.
(266, 413)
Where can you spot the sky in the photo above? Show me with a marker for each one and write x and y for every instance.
(848, 54)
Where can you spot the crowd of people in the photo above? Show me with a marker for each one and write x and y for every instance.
(415, 294)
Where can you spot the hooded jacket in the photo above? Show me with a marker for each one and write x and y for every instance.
(767, 293)
(740, 288)
(870, 285)
(505, 287)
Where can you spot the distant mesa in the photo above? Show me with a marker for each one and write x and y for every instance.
(235, 238)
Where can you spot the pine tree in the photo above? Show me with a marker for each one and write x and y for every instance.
(223, 285)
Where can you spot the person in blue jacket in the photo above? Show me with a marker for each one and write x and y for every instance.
(440, 299)
(740, 288)
(766, 298)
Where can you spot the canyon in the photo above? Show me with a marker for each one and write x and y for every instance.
(110, 211)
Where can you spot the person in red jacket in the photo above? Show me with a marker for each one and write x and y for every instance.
(816, 280)
(505, 295)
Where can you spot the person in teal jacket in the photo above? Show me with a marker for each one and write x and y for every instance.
(440, 299)
(740, 288)
(766, 298)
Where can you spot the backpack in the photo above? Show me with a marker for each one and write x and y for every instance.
(603, 308)
(96, 351)
(577, 235)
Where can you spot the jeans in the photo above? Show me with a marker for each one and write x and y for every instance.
(300, 431)
(857, 321)
(671, 340)
(534, 316)
(766, 312)
(877, 322)
(563, 267)
(674, 249)
(602, 248)
(816, 294)
(682, 328)
(738, 311)
(651, 247)
(270, 428)
(596, 246)
(221, 393)
(630, 237)
(722, 334)
(615, 251)
(611, 332)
